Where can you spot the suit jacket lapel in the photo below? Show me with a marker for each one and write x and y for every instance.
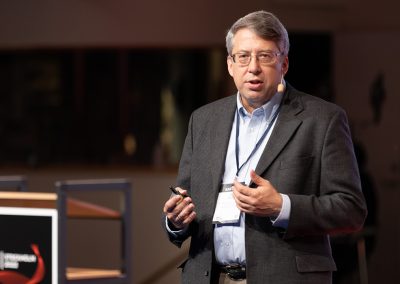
(219, 141)
(285, 127)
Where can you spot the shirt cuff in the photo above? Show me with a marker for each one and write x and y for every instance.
(283, 218)
(173, 232)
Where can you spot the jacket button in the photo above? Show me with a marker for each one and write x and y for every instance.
(206, 273)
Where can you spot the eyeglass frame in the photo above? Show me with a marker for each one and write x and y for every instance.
(275, 54)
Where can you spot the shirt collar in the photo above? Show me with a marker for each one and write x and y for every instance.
(266, 109)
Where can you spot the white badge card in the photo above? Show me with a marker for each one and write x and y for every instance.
(226, 210)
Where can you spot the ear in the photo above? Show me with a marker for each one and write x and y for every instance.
(285, 65)
(229, 63)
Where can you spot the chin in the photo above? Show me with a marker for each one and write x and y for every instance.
(257, 96)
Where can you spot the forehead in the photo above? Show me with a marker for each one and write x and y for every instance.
(248, 40)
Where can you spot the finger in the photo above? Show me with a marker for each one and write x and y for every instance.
(257, 179)
(182, 191)
(184, 217)
(186, 211)
(171, 203)
(181, 205)
(240, 200)
(237, 194)
(242, 192)
(243, 207)
(176, 204)
(189, 218)
(241, 188)
(237, 200)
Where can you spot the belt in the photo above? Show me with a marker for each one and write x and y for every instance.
(235, 272)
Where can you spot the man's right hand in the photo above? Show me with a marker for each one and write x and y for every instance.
(179, 210)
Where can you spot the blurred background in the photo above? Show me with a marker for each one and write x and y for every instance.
(99, 88)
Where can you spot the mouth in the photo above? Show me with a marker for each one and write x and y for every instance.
(254, 84)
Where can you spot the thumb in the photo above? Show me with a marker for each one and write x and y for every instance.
(257, 179)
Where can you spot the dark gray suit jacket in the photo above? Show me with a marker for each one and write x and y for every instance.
(309, 157)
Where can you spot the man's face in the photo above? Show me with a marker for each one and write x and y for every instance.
(256, 82)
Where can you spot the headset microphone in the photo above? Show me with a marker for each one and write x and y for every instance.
(281, 86)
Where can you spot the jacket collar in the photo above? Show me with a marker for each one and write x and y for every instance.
(285, 127)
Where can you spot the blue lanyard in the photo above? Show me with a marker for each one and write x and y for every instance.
(258, 142)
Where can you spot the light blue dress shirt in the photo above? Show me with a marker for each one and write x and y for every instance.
(229, 238)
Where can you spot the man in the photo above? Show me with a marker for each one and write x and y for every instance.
(284, 156)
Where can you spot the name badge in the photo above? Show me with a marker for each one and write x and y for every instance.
(226, 211)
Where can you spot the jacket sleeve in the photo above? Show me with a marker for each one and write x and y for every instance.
(338, 206)
(183, 181)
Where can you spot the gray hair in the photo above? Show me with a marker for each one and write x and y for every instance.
(266, 25)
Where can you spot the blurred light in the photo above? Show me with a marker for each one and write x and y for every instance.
(130, 144)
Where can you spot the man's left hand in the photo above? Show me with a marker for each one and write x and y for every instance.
(264, 200)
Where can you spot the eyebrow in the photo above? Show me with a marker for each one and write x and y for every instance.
(260, 51)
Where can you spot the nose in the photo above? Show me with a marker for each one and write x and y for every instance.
(254, 65)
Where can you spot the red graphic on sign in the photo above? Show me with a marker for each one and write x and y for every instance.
(12, 277)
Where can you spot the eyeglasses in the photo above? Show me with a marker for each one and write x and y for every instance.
(265, 57)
